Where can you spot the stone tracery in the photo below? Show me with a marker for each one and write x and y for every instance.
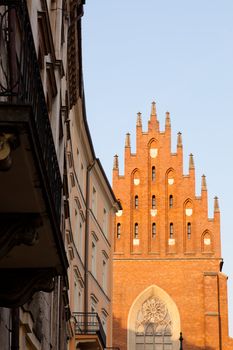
(153, 311)
(153, 324)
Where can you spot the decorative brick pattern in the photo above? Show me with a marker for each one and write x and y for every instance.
(183, 257)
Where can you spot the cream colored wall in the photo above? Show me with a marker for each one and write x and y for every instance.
(77, 208)
(103, 251)
(77, 194)
(96, 291)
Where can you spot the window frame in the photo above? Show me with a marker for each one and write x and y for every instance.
(118, 230)
(171, 230)
(136, 234)
(153, 202)
(153, 173)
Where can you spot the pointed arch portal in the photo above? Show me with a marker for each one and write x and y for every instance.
(153, 321)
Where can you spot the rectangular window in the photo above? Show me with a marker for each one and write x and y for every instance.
(69, 158)
(93, 259)
(72, 181)
(80, 241)
(104, 321)
(77, 296)
(81, 176)
(94, 201)
(78, 233)
(105, 222)
(93, 304)
(104, 274)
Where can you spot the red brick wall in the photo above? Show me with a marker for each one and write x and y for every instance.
(188, 270)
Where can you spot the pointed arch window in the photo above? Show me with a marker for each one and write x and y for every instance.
(153, 326)
(153, 173)
(189, 230)
(171, 231)
(153, 230)
(207, 244)
(136, 202)
(118, 230)
(136, 230)
(153, 202)
(171, 201)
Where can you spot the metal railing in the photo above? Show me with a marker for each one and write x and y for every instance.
(20, 84)
(113, 348)
(89, 323)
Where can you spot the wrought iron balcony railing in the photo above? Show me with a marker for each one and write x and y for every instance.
(20, 84)
(89, 324)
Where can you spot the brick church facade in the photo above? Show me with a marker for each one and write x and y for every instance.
(167, 252)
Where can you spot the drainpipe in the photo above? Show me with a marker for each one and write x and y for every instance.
(15, 329)
(89, 168)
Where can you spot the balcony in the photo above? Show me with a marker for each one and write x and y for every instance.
(31, 244)
(89, 332)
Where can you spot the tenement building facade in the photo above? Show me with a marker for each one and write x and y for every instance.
(56, 205)
(90, 208)
(167, 251)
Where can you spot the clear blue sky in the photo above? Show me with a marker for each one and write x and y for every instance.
(180, 54)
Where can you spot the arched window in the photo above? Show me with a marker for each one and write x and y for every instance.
(153, 173)
(171, 201)
(207, 244)
(136, 230)
(153, 326)
(153, 202)
(153, 230)
(118, 230)
(136, 177)
(189, 230)
(171, 232)
(136, 202)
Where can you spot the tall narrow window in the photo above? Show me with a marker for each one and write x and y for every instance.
(136, 230)
(189, 230)
(136, 202)
(104, 321)
(81, 181)
(118, 230)
(171, 201)
(93, 259)
(72, 181)
(171, 230)
(153, 230)
(94, 200)
(80, 240)
(153, 202)
(93, 303)
(104, 275)
(153, 173)
(105, 222)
